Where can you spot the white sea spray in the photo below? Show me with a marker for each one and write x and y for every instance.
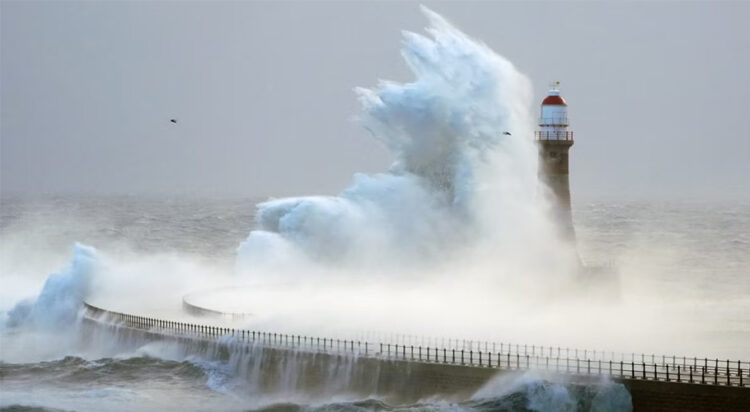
(464, 180)
(59, 301)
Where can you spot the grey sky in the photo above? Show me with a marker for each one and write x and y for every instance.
(659, 93)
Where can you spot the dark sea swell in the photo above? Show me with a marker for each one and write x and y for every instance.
(73, 370)
(135, 383)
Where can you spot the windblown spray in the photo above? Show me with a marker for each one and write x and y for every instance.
(464, 179)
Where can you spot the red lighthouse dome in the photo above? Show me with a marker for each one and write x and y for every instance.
(554, 100)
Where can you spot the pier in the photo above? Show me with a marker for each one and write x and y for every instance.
(408, 372)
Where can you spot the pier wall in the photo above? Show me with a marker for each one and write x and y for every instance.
(322, 374)
(654, 396)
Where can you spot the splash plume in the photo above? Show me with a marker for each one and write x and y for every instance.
(460, 183)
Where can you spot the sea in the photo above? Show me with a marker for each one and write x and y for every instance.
(694, 253)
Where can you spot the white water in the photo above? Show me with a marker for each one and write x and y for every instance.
(459, 185)
(60, 299)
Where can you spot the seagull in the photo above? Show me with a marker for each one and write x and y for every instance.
(506, 133)
(173, 120)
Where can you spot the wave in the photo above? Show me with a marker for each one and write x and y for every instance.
(464, 175)
(59, 301)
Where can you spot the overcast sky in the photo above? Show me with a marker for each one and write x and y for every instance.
(658, 92)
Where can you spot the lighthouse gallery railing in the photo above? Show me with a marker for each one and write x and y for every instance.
(554, 135)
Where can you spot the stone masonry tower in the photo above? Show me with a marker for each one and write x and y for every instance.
(554, 141)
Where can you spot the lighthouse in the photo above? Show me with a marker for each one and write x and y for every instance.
(554, 140)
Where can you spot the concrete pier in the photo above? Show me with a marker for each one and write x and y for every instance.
(322, 367)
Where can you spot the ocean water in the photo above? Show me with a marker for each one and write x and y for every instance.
(693, 255)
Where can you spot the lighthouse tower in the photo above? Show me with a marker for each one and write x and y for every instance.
(554, 140)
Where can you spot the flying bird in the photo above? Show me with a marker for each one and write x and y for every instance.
(506, 133)
(173, 120)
